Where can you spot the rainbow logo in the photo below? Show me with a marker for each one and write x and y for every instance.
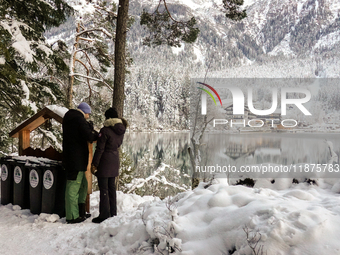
(209, 93)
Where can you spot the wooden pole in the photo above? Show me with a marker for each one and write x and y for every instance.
(24, 140)
(88, 175)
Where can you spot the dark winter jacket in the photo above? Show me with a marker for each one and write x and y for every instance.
(76, 133)
(106, 157)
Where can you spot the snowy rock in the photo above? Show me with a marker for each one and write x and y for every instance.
(16, 208)
(336, 187)
(300, 194)
(53, 218)
(221, 199)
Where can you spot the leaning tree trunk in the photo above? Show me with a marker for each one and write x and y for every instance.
(120, 45)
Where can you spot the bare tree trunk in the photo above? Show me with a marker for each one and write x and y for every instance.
(69, 98)
(194, 159)
(120, 56)
(120, 45)
(70, 92)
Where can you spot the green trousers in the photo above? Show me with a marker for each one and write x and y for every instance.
(76, 192)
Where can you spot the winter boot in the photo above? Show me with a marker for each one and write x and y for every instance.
(98, 220)
(78, 220)
(82, 212)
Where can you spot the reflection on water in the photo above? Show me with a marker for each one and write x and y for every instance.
(149, 150)
(257, 148)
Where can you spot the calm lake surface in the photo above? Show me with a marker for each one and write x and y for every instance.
(149, 151)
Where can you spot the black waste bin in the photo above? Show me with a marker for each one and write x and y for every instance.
(53, 190)
(20, 184)
(6, 181)
(36, 183)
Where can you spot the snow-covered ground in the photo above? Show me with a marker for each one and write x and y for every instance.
(303, 219)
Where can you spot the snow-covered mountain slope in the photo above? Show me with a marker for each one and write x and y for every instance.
(291, 28)
(294, 27)
(287, 27)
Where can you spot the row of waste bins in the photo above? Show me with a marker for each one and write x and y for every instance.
(33, 183)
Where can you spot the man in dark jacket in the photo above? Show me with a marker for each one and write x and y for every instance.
(76, 133)
(106, 163)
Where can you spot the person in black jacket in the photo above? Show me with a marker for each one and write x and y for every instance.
(105, 163)
(76, 133)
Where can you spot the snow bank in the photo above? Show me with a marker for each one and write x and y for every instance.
(303, 219)
(24, 233)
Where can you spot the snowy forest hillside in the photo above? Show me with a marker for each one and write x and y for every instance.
(278, 39)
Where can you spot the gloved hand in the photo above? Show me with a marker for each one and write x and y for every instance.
(96, 134)
(93, 169)
(91, 124)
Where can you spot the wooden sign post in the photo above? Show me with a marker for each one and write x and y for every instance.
(24, 140)
(88, 175)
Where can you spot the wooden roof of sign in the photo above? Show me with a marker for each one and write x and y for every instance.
(35, 121)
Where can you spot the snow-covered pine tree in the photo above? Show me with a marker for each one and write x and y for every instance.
(164, 29)
(27, 62)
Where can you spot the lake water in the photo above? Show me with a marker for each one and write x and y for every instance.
(150, 152)
(161, 157)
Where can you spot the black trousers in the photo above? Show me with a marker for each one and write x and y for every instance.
(108, 198)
